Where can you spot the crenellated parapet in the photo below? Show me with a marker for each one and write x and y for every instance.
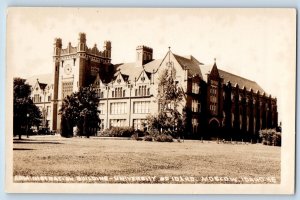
(82, 50)
(69, 50)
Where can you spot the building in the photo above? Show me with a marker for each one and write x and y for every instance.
(42, 95)
(218, 104)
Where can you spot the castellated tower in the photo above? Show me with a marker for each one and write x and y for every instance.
(143, 55)
(75, 67)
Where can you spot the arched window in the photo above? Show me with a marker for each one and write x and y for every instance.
(241, 121)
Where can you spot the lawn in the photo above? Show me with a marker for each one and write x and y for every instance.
(191, 161)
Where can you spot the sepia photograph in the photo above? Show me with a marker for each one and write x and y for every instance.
(150, 100)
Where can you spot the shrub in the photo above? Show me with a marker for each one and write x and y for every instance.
(153, 132)
(139, 133)
(118, 132)
(148, 138)
(270, 137)
(163, 138)
(136, 137)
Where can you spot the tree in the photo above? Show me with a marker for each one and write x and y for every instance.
(80, 109)
(25, 112)
(169, 97)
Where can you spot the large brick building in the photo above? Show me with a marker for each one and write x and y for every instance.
(217, 103)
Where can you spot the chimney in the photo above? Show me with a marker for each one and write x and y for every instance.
(143, 55)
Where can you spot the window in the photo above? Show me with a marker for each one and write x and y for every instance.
(101, 108)
(67, 88)
(140, 124)
(195, 125)
(98, 92)
(196, 106)
(247, 123)
(36, 98)
(117, 122)
(49, 98)
(113, 93)
(118, 92)
(213, 108)
(199, 106)
(118, 108)
(48, 111)
(142, 91)
(141, 107)
(148, 91)
(254, 124)
(195, 88)
(213, 99)
(241, 121)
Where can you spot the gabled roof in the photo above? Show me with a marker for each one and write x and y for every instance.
(242, 82)
(42, 85)
(189, 63)
(214, 72)
(148, 75)
(233, 79)
(129, 70)
(43, 80)
(205, 69)
(132, 71)
(153, 65)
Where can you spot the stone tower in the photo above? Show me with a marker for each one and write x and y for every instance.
(75, 67)
(56, 60)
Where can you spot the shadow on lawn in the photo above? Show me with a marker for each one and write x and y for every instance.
(22, 149)
(33, 142)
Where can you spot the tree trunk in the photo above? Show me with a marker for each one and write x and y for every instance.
(85, 132)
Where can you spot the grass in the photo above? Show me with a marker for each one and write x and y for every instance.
(56, 156)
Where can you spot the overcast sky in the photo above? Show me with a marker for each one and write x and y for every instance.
(258, 44)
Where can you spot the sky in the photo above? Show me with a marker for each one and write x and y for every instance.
(258, 44)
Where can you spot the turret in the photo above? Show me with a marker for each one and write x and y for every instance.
(81, 42)
(107, 49)
(56, 55)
